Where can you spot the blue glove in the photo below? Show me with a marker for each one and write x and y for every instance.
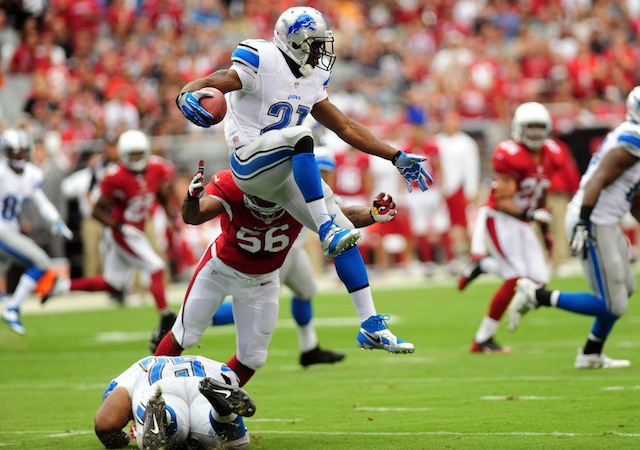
(410, 168)
(189, 104)
(59, 228)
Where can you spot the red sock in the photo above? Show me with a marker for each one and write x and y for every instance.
(502, 298)
(91, 284)
(157, 290)
(243, 372)
(167, 347)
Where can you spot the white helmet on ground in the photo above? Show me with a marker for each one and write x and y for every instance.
(303, 34)
(134, 149)
(633, 105)
(16, 145)
(531, 125)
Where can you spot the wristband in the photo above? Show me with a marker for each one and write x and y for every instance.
(117, 227)
(396, 156)
(585, 213)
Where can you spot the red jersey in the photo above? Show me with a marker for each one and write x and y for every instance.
(247, 243)
(133, 193)
(513, 159)
(351, 168)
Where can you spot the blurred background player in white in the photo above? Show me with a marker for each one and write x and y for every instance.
(128, 192)
(244, 262)
(608, 190)
(186, 402)
(460, 179)
(21, 182)
(297, 274)
(270, 88)
(505, 228)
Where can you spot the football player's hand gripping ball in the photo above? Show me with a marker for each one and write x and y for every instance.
(196, 187)
(384, 208)
(189, 104)
(411, 169)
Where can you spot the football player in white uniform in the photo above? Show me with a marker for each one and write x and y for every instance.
(608, 190)
(181, 402)
(270, 88)
(20, 182)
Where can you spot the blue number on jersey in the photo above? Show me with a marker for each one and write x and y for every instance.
(284, 110)
(9, 207)
(154, 366)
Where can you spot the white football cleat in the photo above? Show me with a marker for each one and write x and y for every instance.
(374, 334)
(11, 316)
(598, 361)
(336, 240)
(523, 301)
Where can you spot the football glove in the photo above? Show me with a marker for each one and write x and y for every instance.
(410, 168)
(189, 104)
(580, 237)
(384, 208)
(540, 215)
(59, 228)
(196, 187)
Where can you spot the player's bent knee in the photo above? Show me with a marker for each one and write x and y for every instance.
(300, 138)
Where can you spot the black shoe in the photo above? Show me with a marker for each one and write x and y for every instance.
(154, 434)
(226, 399)
(319, 356)
(470, 273)
(489, 346)
(167, 319)
(118, 297)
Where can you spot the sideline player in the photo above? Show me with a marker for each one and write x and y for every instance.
(608, 190)
(244, 262)
(128, 191)
(21, 182)
(504, 226)
(270, 88)
(182, 402)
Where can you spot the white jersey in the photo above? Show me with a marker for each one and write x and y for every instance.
(271, 97)
(615, 199)
(16, 190)
(148, 370)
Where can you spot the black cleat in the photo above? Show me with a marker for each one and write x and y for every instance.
(319, 356)
(154, 434)
(226, 399)
(167, 319)
(469, 273)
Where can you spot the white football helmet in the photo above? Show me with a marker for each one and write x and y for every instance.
(262, 209)
(531, 125)
(16, 145)
(633, 105)
(134, 149)
(303, 34)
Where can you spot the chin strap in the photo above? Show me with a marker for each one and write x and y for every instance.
(306, 70)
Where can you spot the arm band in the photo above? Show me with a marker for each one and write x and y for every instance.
(585, 213)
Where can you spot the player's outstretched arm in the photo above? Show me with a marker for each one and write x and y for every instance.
(358, 136)
(383, 209)
(198, 208)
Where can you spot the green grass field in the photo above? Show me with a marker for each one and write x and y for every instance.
(441, 397)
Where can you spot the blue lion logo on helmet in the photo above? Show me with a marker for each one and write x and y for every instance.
(302, 21)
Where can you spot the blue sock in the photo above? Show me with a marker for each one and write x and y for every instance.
(351, 270)
(602, 326)
(301, 310)
(307, 176)
(224, 315)
(584, 303)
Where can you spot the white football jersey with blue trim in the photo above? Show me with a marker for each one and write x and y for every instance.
(16, 190)
(271, 97)
(615, 199)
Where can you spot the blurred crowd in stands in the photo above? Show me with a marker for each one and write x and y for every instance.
(405, 67)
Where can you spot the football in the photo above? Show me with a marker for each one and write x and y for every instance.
(216, 105)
